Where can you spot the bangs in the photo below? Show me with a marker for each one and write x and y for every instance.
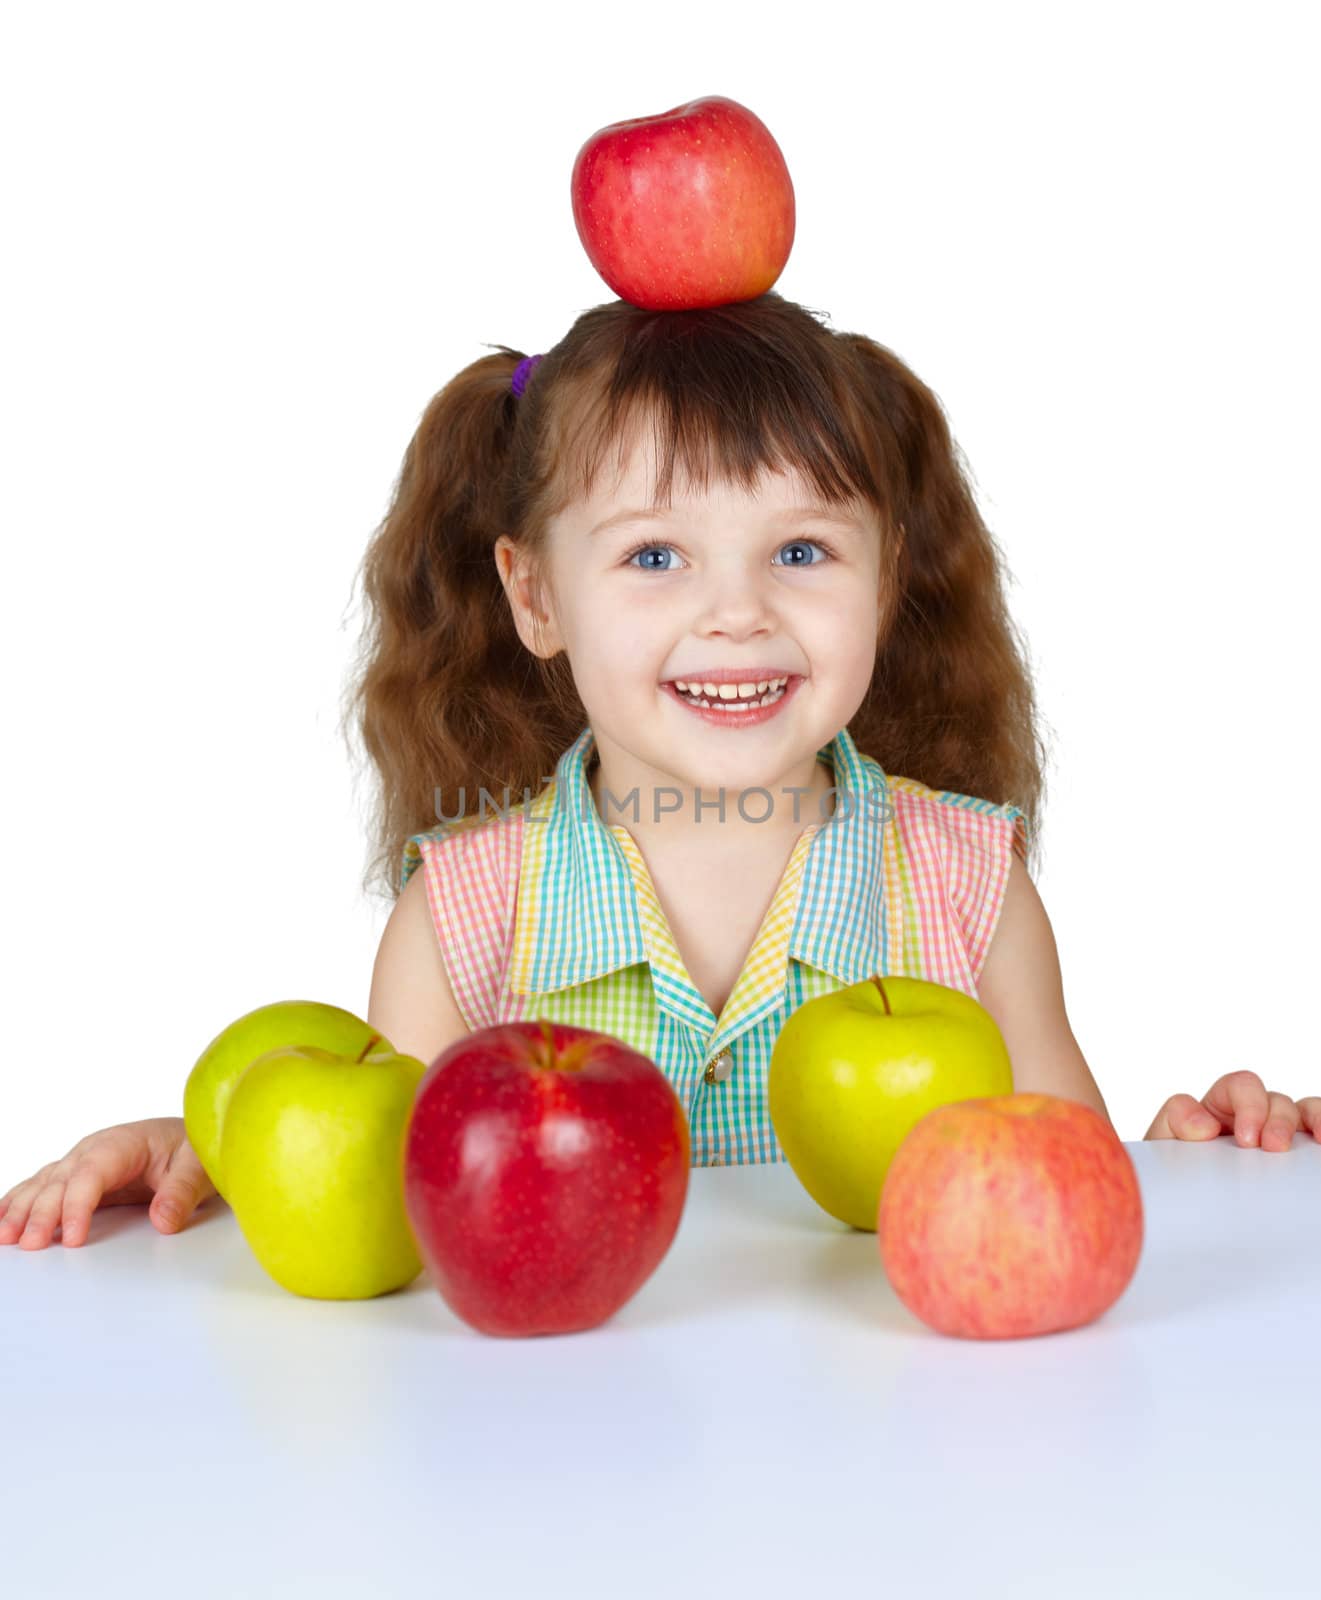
(723, 398)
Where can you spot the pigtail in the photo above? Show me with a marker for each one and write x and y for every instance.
(446, 698)
(952, 701)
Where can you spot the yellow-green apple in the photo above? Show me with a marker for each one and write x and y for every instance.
(851, 1072)
(232, 1051)
(312, 1151)
(545, 1174)
(692, 207)
(1010, 1216)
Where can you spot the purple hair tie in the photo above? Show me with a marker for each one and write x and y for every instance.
(522, 372)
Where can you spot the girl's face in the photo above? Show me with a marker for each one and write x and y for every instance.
(766, 584)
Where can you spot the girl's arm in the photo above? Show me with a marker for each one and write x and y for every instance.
(1020, 985)
(411, 1000)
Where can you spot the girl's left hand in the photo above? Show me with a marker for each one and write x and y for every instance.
(1239, 1103)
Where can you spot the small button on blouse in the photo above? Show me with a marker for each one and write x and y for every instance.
(719, 1067)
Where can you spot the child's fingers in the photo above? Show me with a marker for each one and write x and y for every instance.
(43, 1215)
(94, 1166)
(19, 1203)
(103, 1171)
(123, 1165)
(1238, 1103)
(1309, 1114)
(82, 1195)
(1255, 1115)
(22, 1193)
(1282, 1123)
(184, 1185)
(1182, 1117)
(1240, 1100)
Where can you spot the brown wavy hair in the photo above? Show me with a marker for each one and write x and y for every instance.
(446, 697)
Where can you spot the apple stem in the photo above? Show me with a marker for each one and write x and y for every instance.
(885, 999)
(370, 1046)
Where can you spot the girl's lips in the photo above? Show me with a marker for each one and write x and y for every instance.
(737, 719)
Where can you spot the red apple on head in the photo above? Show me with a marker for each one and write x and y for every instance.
(545, 1173)
(690, 208)
(1011, 1215)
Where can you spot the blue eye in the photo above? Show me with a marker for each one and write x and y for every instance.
(799, 544)
(793, 544)
(639, 549)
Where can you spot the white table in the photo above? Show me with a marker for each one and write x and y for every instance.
(763, 1418)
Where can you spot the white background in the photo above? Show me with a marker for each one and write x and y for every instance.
(246, 245)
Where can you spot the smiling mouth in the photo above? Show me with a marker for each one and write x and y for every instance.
(734, 704)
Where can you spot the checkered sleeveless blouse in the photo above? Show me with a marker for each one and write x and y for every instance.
(545, 910)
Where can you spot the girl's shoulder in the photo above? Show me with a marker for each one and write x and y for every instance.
(470, 869)
(958, 849)
(964, 820)
(465, 841)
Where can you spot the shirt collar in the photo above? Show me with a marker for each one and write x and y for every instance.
(576, 916)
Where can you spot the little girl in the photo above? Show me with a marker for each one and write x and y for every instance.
(671, 764)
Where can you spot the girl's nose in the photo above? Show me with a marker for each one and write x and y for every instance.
(736, 601)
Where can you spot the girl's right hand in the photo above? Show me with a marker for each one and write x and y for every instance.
(119, 1166)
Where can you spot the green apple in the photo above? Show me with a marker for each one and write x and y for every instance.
(853, 1070)
(232, 1051)
(312, 1149)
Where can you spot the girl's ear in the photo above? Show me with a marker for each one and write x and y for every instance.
(536, 623)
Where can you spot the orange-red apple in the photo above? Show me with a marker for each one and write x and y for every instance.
(692, 207)
(1010, 1216)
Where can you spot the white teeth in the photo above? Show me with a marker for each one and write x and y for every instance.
(730, 691)
(742, 695)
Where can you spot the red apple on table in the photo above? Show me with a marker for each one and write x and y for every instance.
(1009, 1216)
(545, 1173)
(692, 207)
